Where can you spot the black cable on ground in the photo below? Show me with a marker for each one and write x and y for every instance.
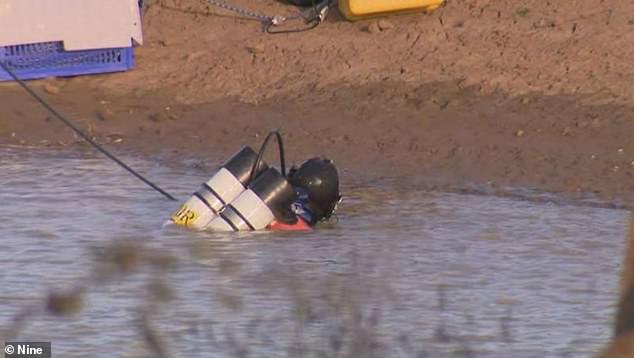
(311, 23)
(81, 134)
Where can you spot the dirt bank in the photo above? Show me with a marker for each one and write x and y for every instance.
(581, 48)
(494, 93)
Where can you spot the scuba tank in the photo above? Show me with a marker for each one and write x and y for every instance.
(268, 197)
(226, 185)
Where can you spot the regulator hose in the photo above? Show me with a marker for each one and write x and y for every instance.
(280, 144)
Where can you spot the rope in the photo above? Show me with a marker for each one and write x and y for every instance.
(79, 132)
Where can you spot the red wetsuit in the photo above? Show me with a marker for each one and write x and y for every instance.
(300, 225)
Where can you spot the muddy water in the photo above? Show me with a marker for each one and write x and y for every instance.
(402, 274)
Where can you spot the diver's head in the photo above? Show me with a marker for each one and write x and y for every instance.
(319, 178)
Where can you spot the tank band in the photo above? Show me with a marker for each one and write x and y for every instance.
(234, 218)
(211, 190)
(201, 198)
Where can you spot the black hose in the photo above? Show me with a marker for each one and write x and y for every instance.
(310, 23)
(263, 149)
(81, 134)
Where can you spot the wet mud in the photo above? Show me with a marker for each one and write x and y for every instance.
(439, 136)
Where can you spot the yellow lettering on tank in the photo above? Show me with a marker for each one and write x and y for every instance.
(184, 216)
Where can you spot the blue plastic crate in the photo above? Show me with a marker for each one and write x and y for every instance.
(49, 59)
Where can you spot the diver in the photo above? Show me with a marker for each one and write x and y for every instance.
(246, 194)
(316, 184)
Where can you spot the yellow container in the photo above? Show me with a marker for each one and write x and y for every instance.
(360, 9)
